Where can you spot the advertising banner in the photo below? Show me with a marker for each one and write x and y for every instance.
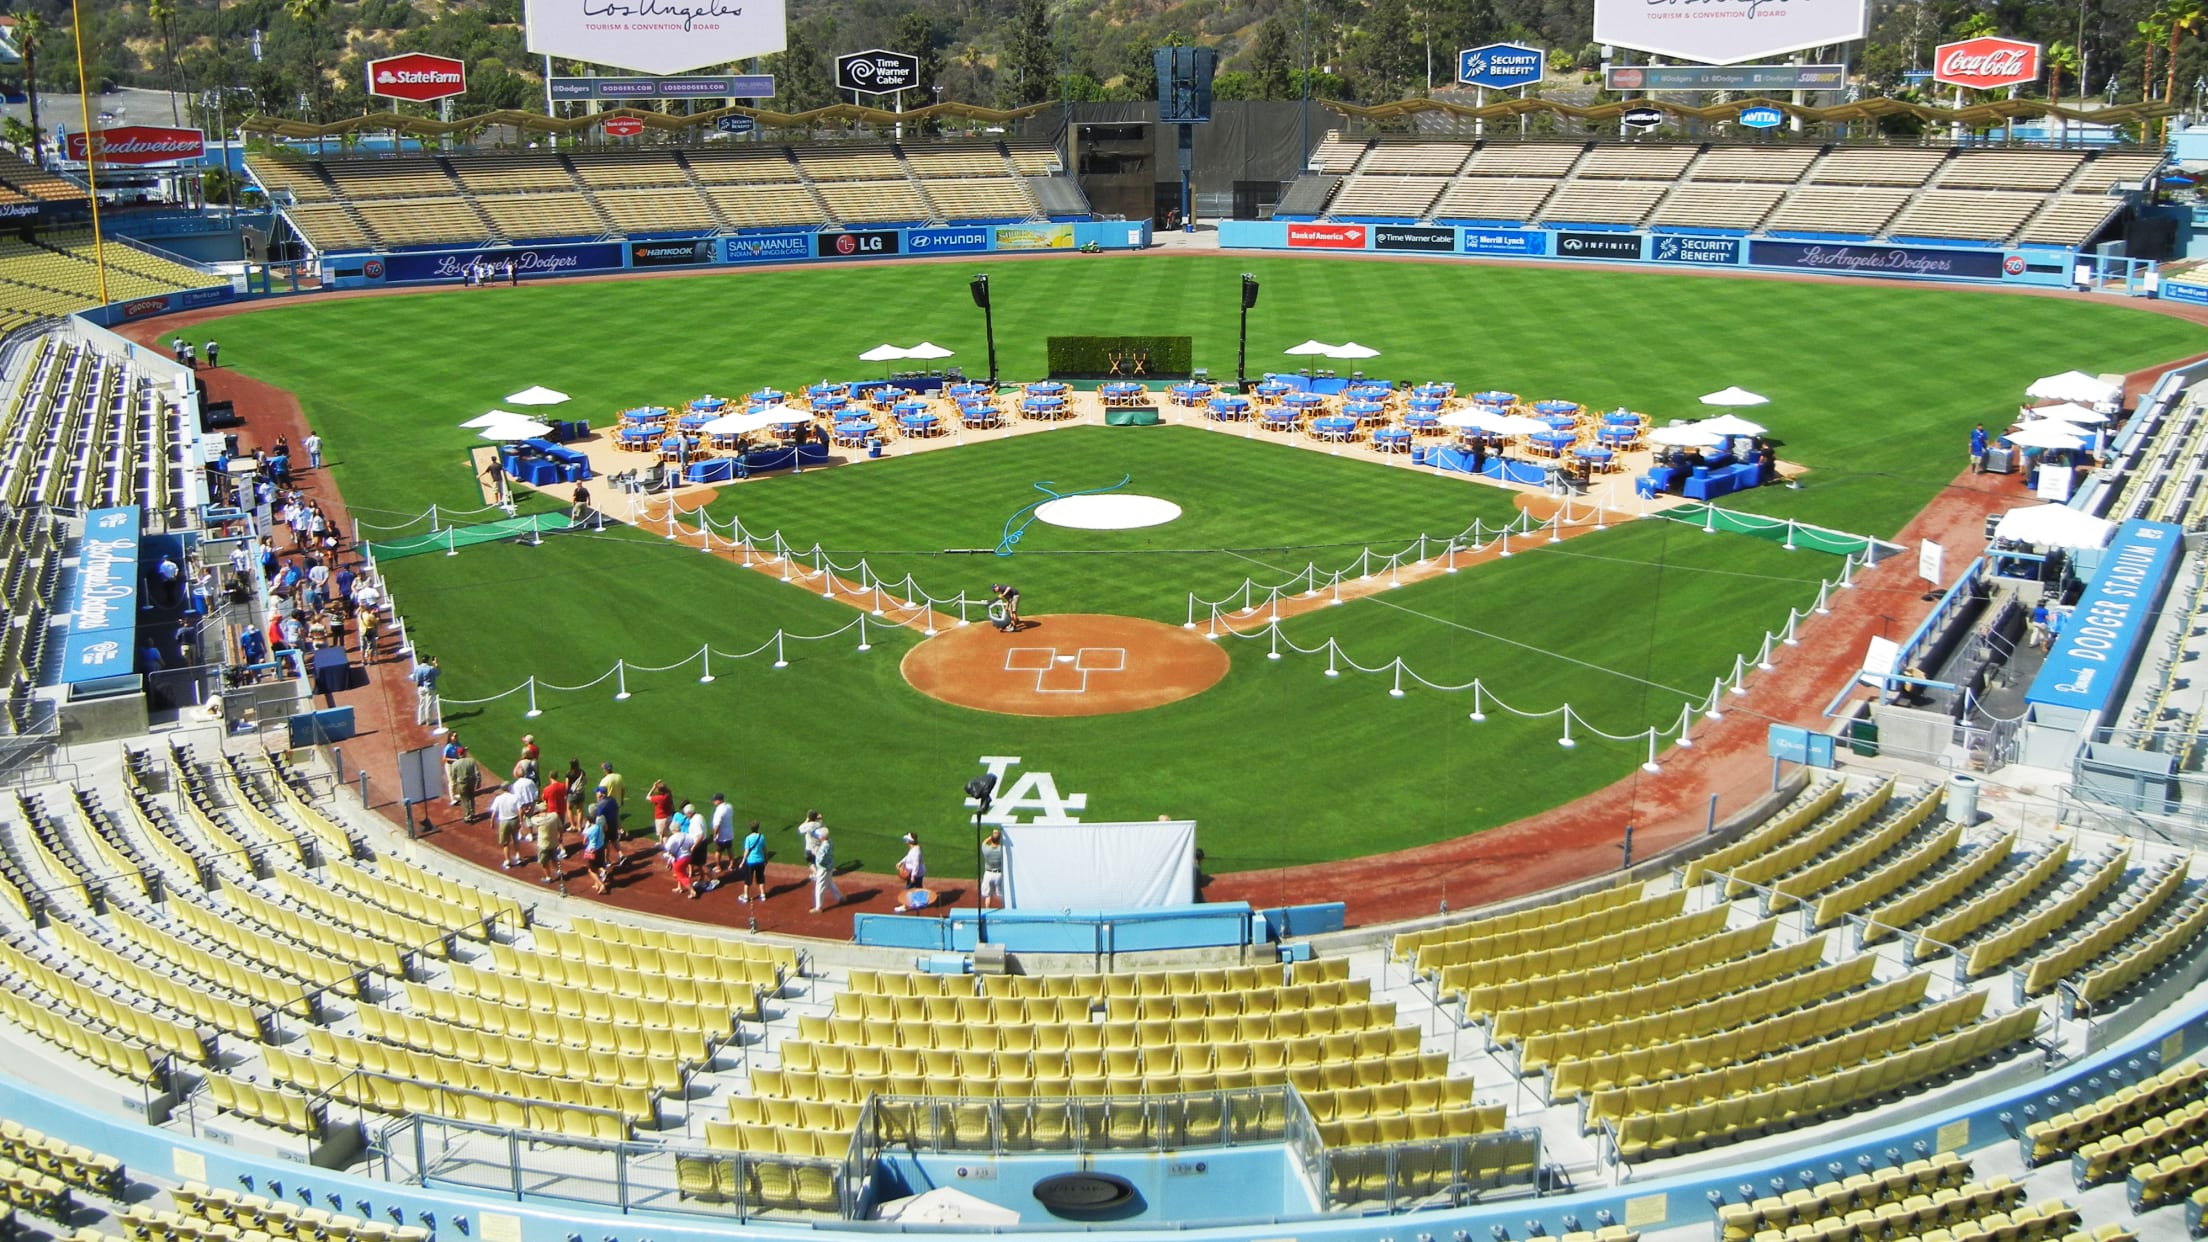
(528, 261)
(872, 244)
(139, 144)
(1726, 78)
(1858, 260)
(739, 86)
(1762, 117)
(1410, 237)
(1676, 248)
(2185, 291)
(949, 240)
(655, 36)
(1327, 236)
(1986, 64)
(767, 248)
(1521, 242)
(1727, 32)
(417, 76)
(1034, 236)
(206, 297)
(103, 602)
(1598, 245)
(876, 71)
(1500, 66)
(2092, 659)
(671, 253)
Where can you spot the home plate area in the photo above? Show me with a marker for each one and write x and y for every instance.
(1070, 664)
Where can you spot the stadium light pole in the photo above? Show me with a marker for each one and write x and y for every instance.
(1242, 345)
(979, 287)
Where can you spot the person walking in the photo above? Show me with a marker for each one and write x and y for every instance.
(724, 835)
(425, 691)
(1978, 449)
(506, 809)
(751, 873)
(912, 868)
(608, 810)
(821, 853)
(467, 783)
(594, 851)
(992, 868)
(530, 754)
(676, 846)
(313, 442)
(663, 809)
(551, 833)
(212, 351)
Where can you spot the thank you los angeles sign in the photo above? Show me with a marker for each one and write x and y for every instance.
(655, 36)
(1727, 32)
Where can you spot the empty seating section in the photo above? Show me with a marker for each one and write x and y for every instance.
(1833, 209)
(2071, 219)
(1692, 205)
(849, 163)
(933, 163)
(1365, 195)
(539, 216)
(1637, 163)
(658, 211)
(1967, 215)
(741, 165)
(408, 176)
(55, 273)
(1493, 198)
(30, 569)
(621, 170)
(753, 206)
(982, 198)
(1031, 158)
(2010, 170)
(874, 202)
(1524, 160)
(423, 221)
(1869, 1189)
(302, 182)
(1602, 202)
(1336, 154)
(2108, 169)
(516, 173)
(1432, 159)
(1897, 166)
(332, 227)
(1779, 165)
(83, 431)
(30, 181)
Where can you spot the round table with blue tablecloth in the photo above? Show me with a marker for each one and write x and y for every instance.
(883, 398)
(1334, 427)
(1303, 400)
(1392, 440)
(1230, 407)
(1043, 407)
(818, 391)
(1367, 392)
(1600, 457)
(1618, 436)
(767, 396)
(1617, 418)
(1046, 388)
(1274, 388)
(1365, 410)
(1556, 407)
(1189, 394)
(1553, 443)
(709, 404)
(917, 423)
(1437, 390)
(830, 404)
(967, 388)
(1426, 405)
(1423, 422)
(639, 437)
(1122, 392)
(910, 407)
(676, 446)
(978, 414)
(645, 414)
(695, 419)
(1495, 396)
(853, 432)
(1556, 422)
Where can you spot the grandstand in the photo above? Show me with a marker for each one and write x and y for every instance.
(490, 198)
(1947, 195)
(53, 273)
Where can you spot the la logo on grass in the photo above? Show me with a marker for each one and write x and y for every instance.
(1035, 792)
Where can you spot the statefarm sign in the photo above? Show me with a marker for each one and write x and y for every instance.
(139, 144)
(1986, 63)
(417, 76)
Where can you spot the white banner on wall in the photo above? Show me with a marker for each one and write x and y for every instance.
(1727, 32)
(656, 36)
(1100, 866)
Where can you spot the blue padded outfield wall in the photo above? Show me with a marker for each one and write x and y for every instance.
(356, 271)
(1928, 260)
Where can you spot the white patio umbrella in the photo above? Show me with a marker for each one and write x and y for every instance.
(1731, 425)
(2069, 412)
(1734, 396)
(1482, 419)
(945, 1205)
(1693, 435)
(2047, 433)
(728, 425)
(758, 420)
(492, 419)
(1311, 349)
(1352, 350)
(537, 395)
(928, 349)
(2073, 386)
(884, 353)
(2054, 526)
(1518, 425)
(518, 429)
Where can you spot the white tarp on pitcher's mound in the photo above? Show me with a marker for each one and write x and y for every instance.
(1107, 511)
(1100, 866)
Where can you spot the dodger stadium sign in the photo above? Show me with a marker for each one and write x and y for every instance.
(655, 36)
(1727, 32)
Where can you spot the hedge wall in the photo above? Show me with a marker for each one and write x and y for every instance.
(1090, 357)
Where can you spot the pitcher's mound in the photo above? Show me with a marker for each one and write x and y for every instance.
(1073, 664)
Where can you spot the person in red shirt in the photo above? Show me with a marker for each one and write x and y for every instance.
(663, 808)
(554, 794)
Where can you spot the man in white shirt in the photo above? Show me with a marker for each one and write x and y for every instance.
(524, 788)
(505, 820)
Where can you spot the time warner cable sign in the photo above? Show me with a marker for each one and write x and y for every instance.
(656, 36)
(1727, 32)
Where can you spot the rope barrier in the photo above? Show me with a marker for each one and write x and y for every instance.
(704, 657)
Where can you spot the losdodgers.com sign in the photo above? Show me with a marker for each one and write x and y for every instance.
(1726, 32)
(655, 36)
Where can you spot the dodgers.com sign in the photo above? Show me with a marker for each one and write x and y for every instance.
(1521, 242)
(103, 605)
(2100, 641)
(1674, 248)
(767, 248)
(948, 241)
(528, 261)
(1500, 66)
(1847, 260)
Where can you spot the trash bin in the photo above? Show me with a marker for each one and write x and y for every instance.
(1418, 454)
(1962, 799)
(873, 447)
(1863, 737)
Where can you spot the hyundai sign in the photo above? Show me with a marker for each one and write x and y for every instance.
(655, 36)
(1727, 32)
(1761, 117)
(1500, 66)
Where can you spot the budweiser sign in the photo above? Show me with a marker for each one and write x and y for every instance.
(139, 144)
(417, 76)
(1986, 63)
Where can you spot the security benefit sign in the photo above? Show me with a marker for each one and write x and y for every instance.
(1671, 248)
(655, 36)
(1500, 66)
(1727, 32)
(103, 602)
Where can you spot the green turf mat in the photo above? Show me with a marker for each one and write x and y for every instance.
(454, 538)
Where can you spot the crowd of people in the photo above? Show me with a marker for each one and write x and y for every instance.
(319, 595)
(537, 814)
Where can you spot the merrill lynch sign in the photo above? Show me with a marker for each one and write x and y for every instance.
(1726, 32)
(655, 36)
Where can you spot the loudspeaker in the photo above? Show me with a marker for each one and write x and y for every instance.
(979, 287)
(1249, 291)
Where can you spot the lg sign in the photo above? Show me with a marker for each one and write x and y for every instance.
(417, 76)
(1987, 63)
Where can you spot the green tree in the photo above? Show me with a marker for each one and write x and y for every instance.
(309, 16)
(1028, 70)
(1383, 51)
(2152, 31)
(1271, 60)
(803, 79)
(2180, 18)
(2062, 59)
(1139, 71)
(162, 13)
(919, 37)
(1234, 85)
(31, 32)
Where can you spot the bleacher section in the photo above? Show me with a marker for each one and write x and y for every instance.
(1984, 196)
(83, 431)
(465, 199)
(22, 180)
(54, 274)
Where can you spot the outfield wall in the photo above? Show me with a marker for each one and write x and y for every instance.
(2024, 265)
(418, 267)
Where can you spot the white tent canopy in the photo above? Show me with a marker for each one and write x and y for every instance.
(945, 1205)
(1731, 425)
(1352, 350)
(519, 429)
(759, 420)
(928, 349)
(537, 395)
(1310, 349)
(1693, 435)
(1734, 396)
(494, 418)
(2074, 386)
(885, 353)
(2069, 412)
(2047, 433)
(2054, 526)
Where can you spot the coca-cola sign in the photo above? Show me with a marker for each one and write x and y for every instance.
(140, 144)
(417, 76)
(1986, 63)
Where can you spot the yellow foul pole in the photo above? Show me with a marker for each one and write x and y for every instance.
(91, 157)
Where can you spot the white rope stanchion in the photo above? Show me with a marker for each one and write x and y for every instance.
(1396, 692)
(1213, 633)
(1505, 553)
(928, 620)
(779, 660)
(1274, 654)
(1763, 657)
(1566, 741)
(1333, 649)
(705, 654)
(1686, 719)
(863, 644)
(1790, 536)
(1717, 696)
(1792, 618)
(1311, 579)
(1652, 767)
(532, 713)
(452, 545)
(1709, 519)
(1336, 602)
(620, 680)
(877, 609)
(1740, 674)
(1452, 566)
(1822, 608)
(1478, 691)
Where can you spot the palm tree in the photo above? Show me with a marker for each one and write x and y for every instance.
(30, 37)
(2151, 33)
(1976, 25)
(2181, 17)
(2061, 59)
(309, 14)
(162, 13)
